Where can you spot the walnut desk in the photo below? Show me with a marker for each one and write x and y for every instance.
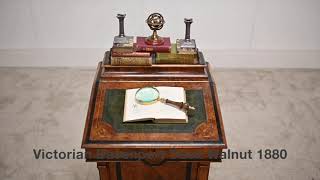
(147, 151)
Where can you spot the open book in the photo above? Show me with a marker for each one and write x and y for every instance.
(157, 112)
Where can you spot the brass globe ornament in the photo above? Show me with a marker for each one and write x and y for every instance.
(155, 21)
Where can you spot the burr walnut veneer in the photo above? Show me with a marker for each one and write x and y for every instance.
(146, 151)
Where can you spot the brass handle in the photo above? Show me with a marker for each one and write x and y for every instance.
(180, 105)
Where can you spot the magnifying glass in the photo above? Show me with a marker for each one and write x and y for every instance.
(150, 95)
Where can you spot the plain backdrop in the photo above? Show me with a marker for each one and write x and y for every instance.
(232, 33)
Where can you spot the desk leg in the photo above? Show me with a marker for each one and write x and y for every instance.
(105, 170)
(203, 170)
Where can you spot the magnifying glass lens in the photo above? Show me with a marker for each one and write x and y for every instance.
(147, 95)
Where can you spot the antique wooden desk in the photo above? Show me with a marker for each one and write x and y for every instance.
(146, 151)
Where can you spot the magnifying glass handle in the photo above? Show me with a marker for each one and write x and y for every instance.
(181, 105)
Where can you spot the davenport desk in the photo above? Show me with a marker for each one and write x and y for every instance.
(147, 151)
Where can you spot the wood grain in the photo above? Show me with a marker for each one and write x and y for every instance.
(101, 139)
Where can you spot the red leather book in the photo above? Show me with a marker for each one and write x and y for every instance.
(142, 46)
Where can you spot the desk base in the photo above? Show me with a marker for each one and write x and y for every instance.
(166, 171)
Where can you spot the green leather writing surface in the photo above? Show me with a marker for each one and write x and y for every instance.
(113, 115)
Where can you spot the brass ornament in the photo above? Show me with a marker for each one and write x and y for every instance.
(155, 21)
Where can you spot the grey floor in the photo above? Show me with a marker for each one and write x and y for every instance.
(262, 109)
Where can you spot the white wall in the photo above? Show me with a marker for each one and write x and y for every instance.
(232, 33)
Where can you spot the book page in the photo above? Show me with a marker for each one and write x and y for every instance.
(134, 111)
